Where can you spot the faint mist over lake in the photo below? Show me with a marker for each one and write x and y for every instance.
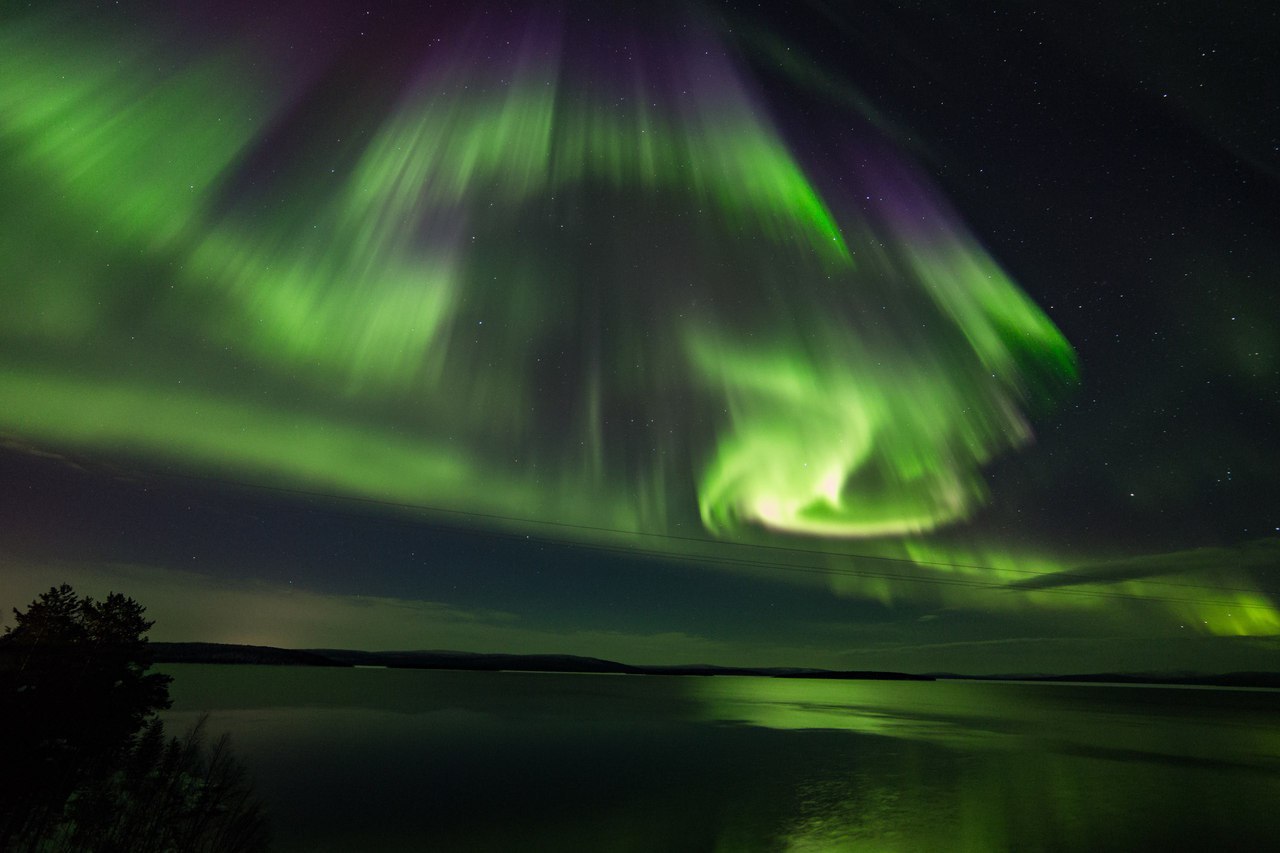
(386, 759)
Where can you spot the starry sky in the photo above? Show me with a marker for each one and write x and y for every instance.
(924, 336)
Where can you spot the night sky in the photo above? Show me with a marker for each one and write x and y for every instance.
(920, 336)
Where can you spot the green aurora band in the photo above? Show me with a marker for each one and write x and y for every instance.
(512, 289)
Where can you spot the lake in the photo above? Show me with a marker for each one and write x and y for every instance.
(385, 759)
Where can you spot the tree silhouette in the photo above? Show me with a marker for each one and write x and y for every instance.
(84, 751)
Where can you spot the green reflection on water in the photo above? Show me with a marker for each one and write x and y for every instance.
(411, 760)
(1021, 767)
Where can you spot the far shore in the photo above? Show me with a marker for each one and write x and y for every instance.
(226, 653)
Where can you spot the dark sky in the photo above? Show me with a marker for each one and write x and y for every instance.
(931, 336)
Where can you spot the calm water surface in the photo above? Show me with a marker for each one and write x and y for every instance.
(375, 759)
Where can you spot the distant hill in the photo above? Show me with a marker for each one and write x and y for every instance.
(441, 659)
(225, 653)
(266, 655)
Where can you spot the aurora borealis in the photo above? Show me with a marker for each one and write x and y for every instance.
(621, 321)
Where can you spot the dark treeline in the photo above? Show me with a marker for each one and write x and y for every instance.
(88, 764)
